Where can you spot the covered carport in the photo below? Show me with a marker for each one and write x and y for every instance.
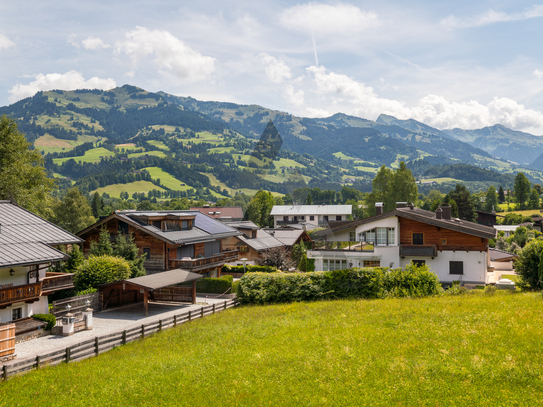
(154, 287)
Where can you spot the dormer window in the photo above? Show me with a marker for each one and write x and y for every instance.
(157, 224)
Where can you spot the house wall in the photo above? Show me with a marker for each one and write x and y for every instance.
(315, 221)
(27, 310)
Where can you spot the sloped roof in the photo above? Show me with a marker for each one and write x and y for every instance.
(263, 241)
(160, 280)
(205, 229)
(243, 224)
(500, 255)
(221, 212)
(299, 210)
(420, 215)
(26, 239)
(288, 237)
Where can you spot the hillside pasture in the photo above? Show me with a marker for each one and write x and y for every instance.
(136, 186)
(169, 181)
(91, 156)
(472, 349)
(50, 144)
(155, 153)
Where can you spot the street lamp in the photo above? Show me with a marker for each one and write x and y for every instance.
(244, 260)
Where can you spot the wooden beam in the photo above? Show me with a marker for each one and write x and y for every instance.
(146, 302)
(194, 292)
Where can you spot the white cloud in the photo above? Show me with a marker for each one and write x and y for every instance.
(295, 98)
(538, 73)
(72, 41)
(341, 93)
(491, 17)
(276, 69)
(94, 44)
(171, 54)
(325, 19)
(5, 42)
(69, 81)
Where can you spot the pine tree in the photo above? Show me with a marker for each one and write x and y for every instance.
(97, 205)
(533, 200)
(102, 246)
(522, 189)
(491, 201)
(501, 195)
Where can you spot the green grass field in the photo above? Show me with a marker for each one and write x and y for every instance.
(50, 144)
(166, 179)
(136, 186)
(342, 156)
(158, 144)
(215, 182)
(155, 153)
(528, 212)
(465, 350)
(91, 156)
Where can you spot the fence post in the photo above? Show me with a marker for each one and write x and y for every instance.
(5, 374)
(213, 307)
(96, 349)
(68, 352)
(159, 325)
(174, 321)
(124, 337)
(225, 304)
(190, 315)
(37, 362)
(202, 312)
(142, 331)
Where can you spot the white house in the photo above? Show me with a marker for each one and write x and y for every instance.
(454, 249)
(311, 215)
(26, 253)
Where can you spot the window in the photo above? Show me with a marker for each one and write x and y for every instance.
(456, 267)
(382, 236)
(16, 313)
(302, 217)
(311, 218)
(352, 236)
(184, 225)
(157, 224)
(443, 242)
(331, 265)
(123, 228)
(185, 251)
(171, 225)
(147, 252)
(419, 263)
(370, 236)
(418, 238)
(338, 217)
(391, 236)
(372, 263)
(212, 248)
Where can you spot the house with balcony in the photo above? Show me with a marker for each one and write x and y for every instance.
(312, 216)
(28, 248)
(252, 241)
(176, 239)
(454, 249)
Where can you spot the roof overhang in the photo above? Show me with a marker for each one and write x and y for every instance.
(159, 280)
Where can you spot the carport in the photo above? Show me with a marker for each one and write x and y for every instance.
(154, 287)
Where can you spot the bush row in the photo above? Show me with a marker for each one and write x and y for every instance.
(264, 288)
(214, 285)
(49, 318)
(227, 268)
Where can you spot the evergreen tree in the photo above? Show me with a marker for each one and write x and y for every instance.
(97, 205)
(76, 258)
(127, 249)
(308, 200)
(501, 195)
(522, 189)
(533, 200)
(491, 201)
(102, 246)
(462, 198)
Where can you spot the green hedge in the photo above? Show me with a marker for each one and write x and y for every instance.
(49, 318)
(227, 268)
(263, 288)
(214, 285)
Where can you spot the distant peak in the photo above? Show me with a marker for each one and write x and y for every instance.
(386, 118)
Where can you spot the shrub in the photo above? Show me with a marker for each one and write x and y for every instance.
(227, 268)
(303, 263)
(49, 318)
(97, 270)
(235, 287)
(214, 285)
(527, 265)
(85, 292)
(372, 282)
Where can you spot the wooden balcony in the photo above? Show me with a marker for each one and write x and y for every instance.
(57, 281)
(27, 293)
(205, 263)
(427, 250)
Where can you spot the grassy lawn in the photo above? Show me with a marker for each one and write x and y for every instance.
(166, 179)
(136, 186)
(451, 350)
(91, 156)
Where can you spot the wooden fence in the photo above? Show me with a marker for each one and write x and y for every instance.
(7, 339)
(78, 304)
(100, 344)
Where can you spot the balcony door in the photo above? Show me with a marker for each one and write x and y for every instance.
(185, 251)
(418, 238)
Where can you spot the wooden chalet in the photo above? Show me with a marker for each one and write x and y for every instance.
(28, 247)
(188, 240)
(252, 241)
(487, 218)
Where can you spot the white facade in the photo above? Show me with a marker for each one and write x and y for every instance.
(474, 264)
(23, 309)
(309, 214)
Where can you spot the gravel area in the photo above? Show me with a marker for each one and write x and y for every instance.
(109, 321)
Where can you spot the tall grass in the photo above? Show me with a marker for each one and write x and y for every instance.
(464, 350)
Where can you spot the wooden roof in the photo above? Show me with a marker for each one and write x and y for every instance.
(159, 280)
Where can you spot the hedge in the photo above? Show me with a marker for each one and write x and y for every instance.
(227, 268)
(49, 318)
(97, 270)
(214, 285)
(264, 288)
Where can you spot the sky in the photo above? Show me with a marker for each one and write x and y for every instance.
(447, 64)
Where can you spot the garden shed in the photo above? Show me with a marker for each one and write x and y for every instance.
(155, 287)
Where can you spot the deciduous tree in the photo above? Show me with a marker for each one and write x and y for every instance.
(73, 212)
(522, 189)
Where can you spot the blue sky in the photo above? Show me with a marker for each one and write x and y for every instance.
(448, 64)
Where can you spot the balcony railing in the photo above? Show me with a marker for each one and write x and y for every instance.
(342, 246)
(428, 250)
(57, 281)
(19, 293)
(204, 263)
(289, 222)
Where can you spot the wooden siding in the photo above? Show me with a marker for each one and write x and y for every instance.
(433, 235)
(7, 339)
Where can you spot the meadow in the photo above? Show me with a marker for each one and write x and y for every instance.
(471, 349)
(91, 156)
(136, 186)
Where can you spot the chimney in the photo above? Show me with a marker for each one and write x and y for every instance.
(446, 212)
(401, 205)
(439, 213)
(378, 208)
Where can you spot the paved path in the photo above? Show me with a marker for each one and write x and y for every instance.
(109, 322)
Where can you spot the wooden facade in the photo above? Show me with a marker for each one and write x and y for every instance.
(443, 239)
(7, 339)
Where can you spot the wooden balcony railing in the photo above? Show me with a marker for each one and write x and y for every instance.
(204, 263)
(19, 293)
(427, 250)
(57, 281)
